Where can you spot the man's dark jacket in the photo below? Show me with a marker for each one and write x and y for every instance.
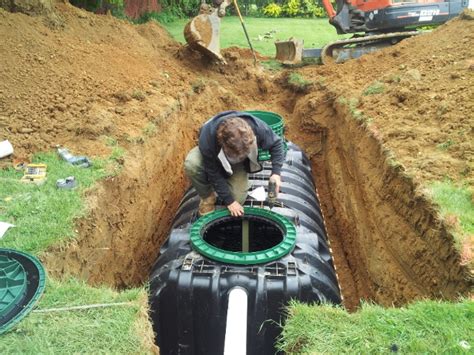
(209, 147)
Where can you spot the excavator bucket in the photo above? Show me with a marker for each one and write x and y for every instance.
(202, 33)
(289, 52)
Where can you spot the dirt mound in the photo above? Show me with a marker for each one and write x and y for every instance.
(93, 78)
(73, 85)
(418, 97)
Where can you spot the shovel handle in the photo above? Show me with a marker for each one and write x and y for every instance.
(245, 31)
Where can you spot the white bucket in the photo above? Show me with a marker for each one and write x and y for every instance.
(6, 149)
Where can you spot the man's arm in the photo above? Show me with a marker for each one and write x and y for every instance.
(218, 181)
(268, 140)
(277, 154)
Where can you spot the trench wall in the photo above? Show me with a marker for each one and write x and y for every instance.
(130, 214)
(389, 243)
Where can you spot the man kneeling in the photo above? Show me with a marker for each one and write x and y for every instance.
(227, 152)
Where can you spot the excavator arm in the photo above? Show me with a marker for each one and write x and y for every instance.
(329, 8)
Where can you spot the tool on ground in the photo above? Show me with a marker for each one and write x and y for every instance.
(272, 193)
(68, 183)
(383, 22)
(19, 165)
(34, 173)
(79, 161)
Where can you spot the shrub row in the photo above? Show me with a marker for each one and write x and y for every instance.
(294, 8)
(172, 10)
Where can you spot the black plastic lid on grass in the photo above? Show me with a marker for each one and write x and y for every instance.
(22, 282)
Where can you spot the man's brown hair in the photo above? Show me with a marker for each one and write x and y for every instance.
(235, 136)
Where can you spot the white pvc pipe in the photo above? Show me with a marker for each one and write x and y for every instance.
(236, 324)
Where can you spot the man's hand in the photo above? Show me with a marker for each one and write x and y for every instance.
(236, 209)
(277, 180)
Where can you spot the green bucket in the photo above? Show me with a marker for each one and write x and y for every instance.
(275, 121)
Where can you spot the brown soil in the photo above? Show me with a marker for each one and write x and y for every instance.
(387, 241)
(426, 111)
(376, 152)
(96, 78)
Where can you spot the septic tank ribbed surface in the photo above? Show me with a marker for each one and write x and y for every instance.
(189, 291)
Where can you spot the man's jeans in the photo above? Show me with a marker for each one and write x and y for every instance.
(194, 168)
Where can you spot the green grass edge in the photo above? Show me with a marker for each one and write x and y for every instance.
(44, 216)
(422, 327)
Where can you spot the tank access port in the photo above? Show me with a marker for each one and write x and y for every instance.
(258, 237)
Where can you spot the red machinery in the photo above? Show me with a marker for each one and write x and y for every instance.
(375, 23)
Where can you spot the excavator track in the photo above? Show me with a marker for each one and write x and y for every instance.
(346, 49)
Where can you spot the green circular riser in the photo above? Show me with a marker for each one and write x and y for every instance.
(276, 123)
(22, 281)
(274, 120)
(279, 231)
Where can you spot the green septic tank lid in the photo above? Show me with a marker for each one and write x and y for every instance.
(22, 281)
(275, 121)
(245, 258)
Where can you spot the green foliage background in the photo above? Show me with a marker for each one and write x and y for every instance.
(176, 9)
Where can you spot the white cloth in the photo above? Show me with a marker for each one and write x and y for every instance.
(259, 194)
(4, 227)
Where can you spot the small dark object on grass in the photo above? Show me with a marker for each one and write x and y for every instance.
(394, 348)
(81, 161)
(68, 183)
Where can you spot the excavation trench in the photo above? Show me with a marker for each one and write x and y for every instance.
(388, 243)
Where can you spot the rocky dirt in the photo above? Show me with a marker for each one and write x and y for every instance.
(95, 80)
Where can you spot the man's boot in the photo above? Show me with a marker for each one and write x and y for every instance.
(207, 205)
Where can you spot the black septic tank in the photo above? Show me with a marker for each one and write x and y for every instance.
(222, 282)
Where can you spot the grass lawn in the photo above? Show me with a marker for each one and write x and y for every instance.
(44, 216)
(119, 328)
(314, 32)
(420, 328)
(455, 202)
